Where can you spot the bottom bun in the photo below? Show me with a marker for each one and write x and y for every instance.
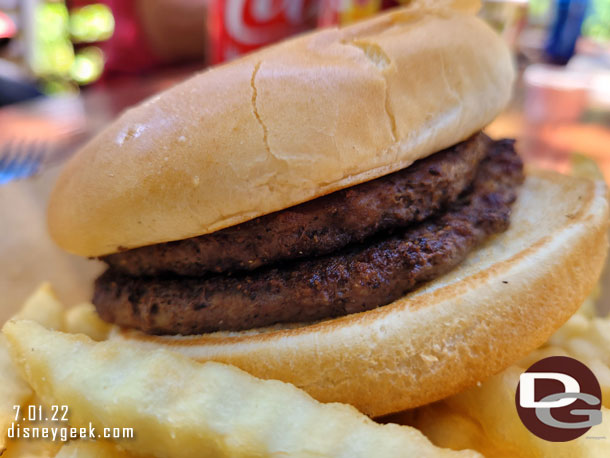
(505, 300)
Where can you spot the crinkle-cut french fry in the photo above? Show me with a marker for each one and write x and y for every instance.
(181, 408)
(31, 449)
(484, 418)
(43, 307)
(92, 449)
(492, 405)
(41, 447)
(83, 319)
(13, 391)
(451, 429)
(587, 340)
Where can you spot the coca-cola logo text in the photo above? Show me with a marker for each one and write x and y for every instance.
(258, 22)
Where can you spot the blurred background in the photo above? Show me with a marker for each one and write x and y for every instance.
(80, 62)
(67, 68)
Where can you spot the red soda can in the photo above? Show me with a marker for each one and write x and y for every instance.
(236, 27)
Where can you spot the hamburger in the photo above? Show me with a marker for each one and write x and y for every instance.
(328, 212)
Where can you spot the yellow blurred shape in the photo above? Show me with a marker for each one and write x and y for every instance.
(91, 23)
(352, 11)
(53, 52)
(88, 65)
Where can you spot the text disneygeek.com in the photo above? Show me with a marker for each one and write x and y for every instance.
(24, 426)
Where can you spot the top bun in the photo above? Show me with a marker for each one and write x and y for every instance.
(290, 123)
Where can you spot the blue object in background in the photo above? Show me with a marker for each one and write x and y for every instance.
(12, 91)
(565, 30)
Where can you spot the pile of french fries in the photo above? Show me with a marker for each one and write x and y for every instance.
(176, 407)
(485, 417)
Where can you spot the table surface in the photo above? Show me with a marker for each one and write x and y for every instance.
(28, 256)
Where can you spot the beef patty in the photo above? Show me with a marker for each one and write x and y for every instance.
(358, 277)
(319, 226)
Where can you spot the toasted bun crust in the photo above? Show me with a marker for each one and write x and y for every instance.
(291, 123)
(505, 300)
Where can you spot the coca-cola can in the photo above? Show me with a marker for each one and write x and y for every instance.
(237, 27)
